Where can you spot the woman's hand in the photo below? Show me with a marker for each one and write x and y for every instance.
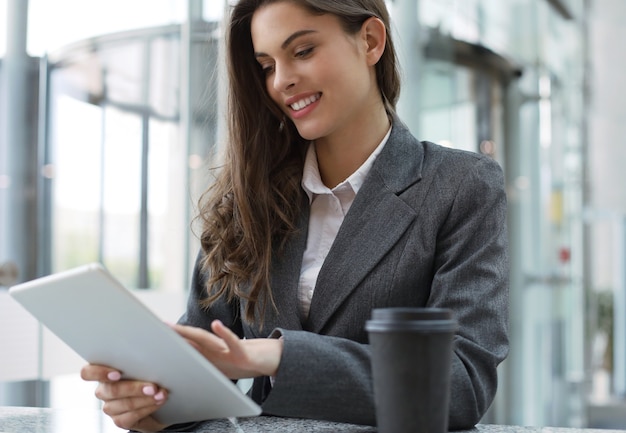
(129, 403)
(234, 357)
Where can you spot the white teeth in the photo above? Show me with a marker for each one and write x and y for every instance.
(304, 102)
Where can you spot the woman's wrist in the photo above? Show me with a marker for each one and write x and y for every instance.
(267, 355)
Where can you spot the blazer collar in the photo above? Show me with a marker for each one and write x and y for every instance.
(363, 239)
(366, 235)
(400, 163)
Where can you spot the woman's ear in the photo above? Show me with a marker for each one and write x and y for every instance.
(374, 34)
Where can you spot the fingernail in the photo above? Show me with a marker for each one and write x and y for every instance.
(114, 375)
(159, 396)
(148, 390)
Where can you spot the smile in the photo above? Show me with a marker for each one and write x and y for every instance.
(305, 102)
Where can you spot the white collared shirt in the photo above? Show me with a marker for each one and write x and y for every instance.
(328, 209)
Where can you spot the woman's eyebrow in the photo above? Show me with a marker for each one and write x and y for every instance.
(295, 36)
(288, 41)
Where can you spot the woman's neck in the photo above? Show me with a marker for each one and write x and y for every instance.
(340, 155)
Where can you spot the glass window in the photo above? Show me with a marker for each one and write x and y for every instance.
(3, 25)
(77, 180)
(55, 24)
(462, 107)
(122, 194)
(448, 114)
(459, 19)
(125, 178)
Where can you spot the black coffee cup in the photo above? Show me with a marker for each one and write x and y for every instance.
(411, 365)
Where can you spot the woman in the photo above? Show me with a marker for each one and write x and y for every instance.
(326, 208)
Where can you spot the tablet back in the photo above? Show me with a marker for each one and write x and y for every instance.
(106, 324)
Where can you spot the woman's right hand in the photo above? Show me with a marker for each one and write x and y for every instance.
(130, 403)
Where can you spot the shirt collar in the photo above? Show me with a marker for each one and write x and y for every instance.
(312, 180)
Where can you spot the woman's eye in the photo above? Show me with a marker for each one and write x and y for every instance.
(305, 52)
(267, 69)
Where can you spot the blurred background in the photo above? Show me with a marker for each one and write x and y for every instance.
(110, 115)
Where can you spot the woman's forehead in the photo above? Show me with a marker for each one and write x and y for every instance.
(274, 23)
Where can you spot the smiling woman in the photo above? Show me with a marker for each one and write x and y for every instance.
(323, 79)
(327, 207)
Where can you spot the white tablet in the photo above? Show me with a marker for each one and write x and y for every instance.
(103, 322)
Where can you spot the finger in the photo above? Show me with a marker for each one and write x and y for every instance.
(139, 419)
(128, 402)
(129, 389)
(200, 338)
(195, 333)
(144, 405)
(99, 373)
(231, 339)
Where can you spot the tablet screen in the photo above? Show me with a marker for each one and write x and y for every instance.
(106, 324)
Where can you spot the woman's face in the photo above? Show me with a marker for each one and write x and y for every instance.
(320, 76)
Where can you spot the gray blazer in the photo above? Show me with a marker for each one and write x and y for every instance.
(427, 228)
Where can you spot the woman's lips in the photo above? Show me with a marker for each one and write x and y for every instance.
(301, 106)
(304, 102)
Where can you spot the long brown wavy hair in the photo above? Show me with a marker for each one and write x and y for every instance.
(253, 206)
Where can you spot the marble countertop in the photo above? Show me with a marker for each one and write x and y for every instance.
(265, 424)
(42, 420)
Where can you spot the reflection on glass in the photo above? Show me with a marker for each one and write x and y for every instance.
(124, 189)
(121, 195)
(77, 182)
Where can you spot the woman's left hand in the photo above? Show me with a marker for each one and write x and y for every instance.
(234, 357)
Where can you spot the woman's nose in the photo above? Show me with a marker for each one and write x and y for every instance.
(284, 78)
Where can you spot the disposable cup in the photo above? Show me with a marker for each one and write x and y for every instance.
(411, 366)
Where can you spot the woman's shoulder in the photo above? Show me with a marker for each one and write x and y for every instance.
(410, 158)
(451, 153)
(451, 158)
(433, 152)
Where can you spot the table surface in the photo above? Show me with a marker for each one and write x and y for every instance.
(45, 420)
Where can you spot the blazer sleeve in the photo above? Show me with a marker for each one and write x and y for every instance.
(322, 377)
(472, 279)
(328, 377)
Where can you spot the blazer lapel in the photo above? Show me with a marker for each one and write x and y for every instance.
(374, 224)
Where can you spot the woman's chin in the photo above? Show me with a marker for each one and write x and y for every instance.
(308, 133)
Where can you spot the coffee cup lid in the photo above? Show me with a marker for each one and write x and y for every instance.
(412, 319)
